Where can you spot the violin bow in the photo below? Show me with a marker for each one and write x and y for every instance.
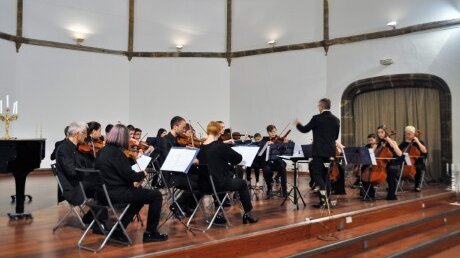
(201, 127)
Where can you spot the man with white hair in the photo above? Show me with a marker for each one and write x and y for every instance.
(411, 140)
(66, 164)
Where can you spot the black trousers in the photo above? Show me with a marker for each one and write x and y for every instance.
(320, 175)
(418, 176)
(137, 197)
(278, 166)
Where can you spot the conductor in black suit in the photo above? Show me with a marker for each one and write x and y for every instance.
(325, 127)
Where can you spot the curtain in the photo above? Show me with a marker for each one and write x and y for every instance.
(397, 108)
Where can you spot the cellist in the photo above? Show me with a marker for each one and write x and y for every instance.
(384, 145)
(417, 154)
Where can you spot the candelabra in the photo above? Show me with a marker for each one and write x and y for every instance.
(7, 118)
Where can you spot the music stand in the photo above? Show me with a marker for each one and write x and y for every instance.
(296, 159)
(358, 156)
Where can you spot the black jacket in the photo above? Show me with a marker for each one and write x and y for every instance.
(326, 128)
(164, 146)
(217, 155)
(116, 169)
(66, 162)
(56, 146)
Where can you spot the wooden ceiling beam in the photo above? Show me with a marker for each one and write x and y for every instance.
(229, 33)
(131, 30)
(19, 12)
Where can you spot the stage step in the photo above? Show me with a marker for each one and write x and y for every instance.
(377, 222)
(364, 237)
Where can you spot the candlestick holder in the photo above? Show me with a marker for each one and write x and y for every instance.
(7, 118)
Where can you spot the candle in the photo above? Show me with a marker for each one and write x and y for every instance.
(17, 104)
(14, 108)
(1, 106)
(7, 101)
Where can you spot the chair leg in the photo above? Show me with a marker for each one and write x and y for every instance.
(62, 219)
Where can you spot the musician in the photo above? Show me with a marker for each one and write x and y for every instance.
(124, 185)
(161, 132)
(186, 201)
(137, 134)
(66, 162)
(326, 128)
(277, 165)
(222, 132)
(257, 164)
(86, 158)
(338, 187)
(371, 144)
(108, 128)
(411, 141)
(392, 168)
(56, 145)
(217, 155)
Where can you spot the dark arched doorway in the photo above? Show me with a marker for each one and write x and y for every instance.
(396, 82)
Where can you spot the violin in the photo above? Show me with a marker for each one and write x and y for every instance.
(131, 153)
(414, 153)
(189, 141)
(282, 139)
(234, 135)
(377, 174)
(92, 147)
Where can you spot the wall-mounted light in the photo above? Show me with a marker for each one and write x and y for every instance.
(271, 43)
(388, 61)
(179, 47)
(79, 39)
(392, 24)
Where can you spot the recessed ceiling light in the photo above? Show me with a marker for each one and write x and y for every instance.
(392, 24)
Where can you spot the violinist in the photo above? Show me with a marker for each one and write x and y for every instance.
(273, 165)
(56, 145)
(90, 148)
(417, 152)
(137, 134)
(161, 132)
(326, 128)
(186, 201)
(188, 138)
(227, 140)
(384, 144)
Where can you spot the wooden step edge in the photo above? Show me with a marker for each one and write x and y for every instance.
(303, 226)
(401, 244)
(427, 248)
(348, 233)
(344, 243)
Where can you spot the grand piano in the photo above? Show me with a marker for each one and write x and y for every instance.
(20, 157)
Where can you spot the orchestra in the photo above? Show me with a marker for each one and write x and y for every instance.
(113, 154)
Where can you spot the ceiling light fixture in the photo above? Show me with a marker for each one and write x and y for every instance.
(392, 24)
(179, 47)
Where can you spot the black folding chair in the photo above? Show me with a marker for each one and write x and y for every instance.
(75, 208)
(206, 173)
(93, 177)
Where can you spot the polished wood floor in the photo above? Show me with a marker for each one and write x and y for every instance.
(35, 238)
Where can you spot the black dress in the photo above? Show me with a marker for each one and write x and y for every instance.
(419, 163)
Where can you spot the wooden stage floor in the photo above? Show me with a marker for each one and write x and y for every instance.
(35, 238)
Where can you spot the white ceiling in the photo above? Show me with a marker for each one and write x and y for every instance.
(200, 24)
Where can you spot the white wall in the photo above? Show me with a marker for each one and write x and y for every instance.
(276, 88)
(194, 88)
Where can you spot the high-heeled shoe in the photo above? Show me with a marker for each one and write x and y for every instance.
(249, 219)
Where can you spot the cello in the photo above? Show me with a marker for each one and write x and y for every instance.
(377, 174)
(414, 154)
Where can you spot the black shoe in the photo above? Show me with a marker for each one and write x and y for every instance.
(189, 211)
(418, 189)
(154, 237)
(220, 220)
(249, 219)
(318, 205)
(284, 194)
(100, 230)
(119, 236)
(176, 210)
(392, 198)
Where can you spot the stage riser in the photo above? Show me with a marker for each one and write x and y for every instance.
(266, 240)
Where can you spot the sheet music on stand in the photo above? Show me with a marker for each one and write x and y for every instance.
(274, 151)
(141, 163)
(359, 156)
(249, 153)
(180, 159)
